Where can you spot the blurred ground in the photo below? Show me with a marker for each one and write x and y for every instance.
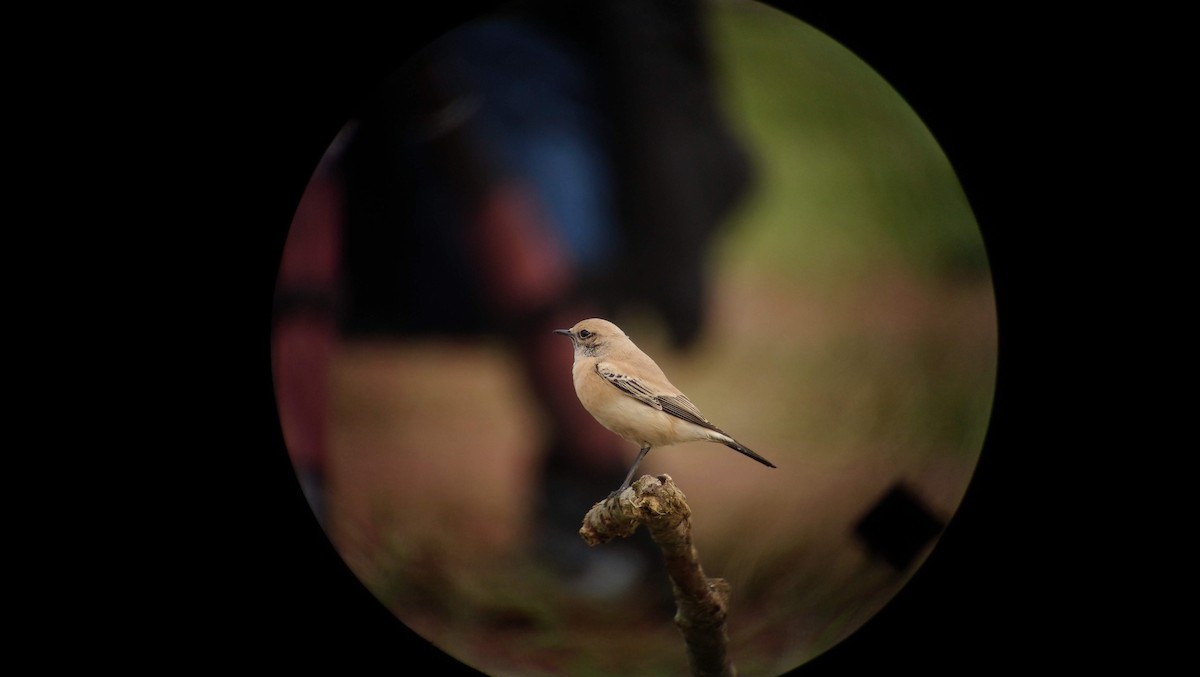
(433, 449)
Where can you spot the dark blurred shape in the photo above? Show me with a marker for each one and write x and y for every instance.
(548, 163)
(599, 119)
(679, 168)
(898, 526)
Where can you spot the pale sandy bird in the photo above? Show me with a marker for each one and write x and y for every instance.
(628, 394)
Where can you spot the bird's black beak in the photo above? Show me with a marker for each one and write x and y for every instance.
(564, 332)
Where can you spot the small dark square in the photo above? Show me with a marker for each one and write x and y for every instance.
(898, 526)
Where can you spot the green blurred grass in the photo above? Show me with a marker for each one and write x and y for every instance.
(851, 180)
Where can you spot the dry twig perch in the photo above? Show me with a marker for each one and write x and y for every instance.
(702, 603)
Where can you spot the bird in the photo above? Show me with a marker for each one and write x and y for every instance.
(623, 389)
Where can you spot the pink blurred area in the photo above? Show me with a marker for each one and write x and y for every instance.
(306, 323)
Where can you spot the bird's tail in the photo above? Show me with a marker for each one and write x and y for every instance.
(733, 444)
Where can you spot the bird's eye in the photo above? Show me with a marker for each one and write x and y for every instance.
(583, 333)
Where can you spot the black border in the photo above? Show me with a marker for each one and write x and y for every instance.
(996, 594)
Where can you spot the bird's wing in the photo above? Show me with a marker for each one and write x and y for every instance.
(630, 385)
(678, 406)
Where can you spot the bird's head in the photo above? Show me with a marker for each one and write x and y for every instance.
(590, 336)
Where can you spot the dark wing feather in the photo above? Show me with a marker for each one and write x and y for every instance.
(629, 385)
(681, 407)
(678, 406)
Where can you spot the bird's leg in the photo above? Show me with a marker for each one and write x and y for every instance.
(629, 478)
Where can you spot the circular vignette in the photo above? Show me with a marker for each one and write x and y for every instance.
(915, 272)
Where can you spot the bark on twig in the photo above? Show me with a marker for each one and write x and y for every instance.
(702, 603)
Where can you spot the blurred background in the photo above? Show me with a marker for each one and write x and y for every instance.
(756, 208)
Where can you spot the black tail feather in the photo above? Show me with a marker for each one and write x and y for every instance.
(739, 448)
